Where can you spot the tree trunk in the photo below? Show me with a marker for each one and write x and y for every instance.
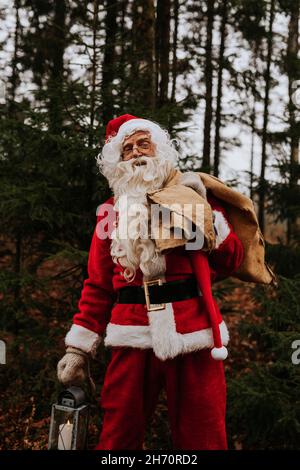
(253, 121)
(174, 49)
(14, 79)
(108, 60)
(94, 71)
(122, 62)
(292, 54)
(219, 91)
(142, 62)
(262, 182)
(163, 49)
(208, 87)
(253, 132)
(13, 83)
(57, 66)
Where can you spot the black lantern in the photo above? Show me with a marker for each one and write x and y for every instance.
(69, 421)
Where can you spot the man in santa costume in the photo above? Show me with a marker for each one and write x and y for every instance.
(153, 308)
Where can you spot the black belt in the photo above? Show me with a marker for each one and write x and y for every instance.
(172, 291)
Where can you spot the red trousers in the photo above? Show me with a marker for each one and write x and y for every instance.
(196, 399)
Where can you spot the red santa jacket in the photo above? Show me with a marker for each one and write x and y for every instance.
(182, 327)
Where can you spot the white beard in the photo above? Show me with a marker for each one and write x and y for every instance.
(137, 176)
(130, 183)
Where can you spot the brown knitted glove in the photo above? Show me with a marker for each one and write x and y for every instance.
(73, 368)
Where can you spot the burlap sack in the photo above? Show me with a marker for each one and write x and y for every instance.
(241, 215)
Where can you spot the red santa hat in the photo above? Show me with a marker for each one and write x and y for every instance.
(127, 124)
(113, 125)
(201, 270)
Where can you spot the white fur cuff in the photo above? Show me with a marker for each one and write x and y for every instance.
(82, 338)
(221, 227)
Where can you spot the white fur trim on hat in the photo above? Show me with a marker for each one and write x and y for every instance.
(221, 227)
(82, 338)
(133, 125)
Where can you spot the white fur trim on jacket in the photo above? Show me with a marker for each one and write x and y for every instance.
(221, 227)
(82, 338)
(192, 180)
(167, 344)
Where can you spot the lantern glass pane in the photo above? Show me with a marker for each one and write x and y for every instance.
(62, 427)
(68, 429)
(81, 421)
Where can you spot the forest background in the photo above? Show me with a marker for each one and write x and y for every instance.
(223, 77)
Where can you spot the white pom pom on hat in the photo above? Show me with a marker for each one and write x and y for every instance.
(219, 354)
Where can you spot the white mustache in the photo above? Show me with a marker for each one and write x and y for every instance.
(141, 167)
(143, 159)
(138, 175)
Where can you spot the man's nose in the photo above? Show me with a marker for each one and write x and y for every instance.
(135, 151)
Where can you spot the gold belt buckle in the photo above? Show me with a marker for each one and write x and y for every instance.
(154, 307)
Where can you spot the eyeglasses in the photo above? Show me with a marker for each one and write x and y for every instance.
(128, 150)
